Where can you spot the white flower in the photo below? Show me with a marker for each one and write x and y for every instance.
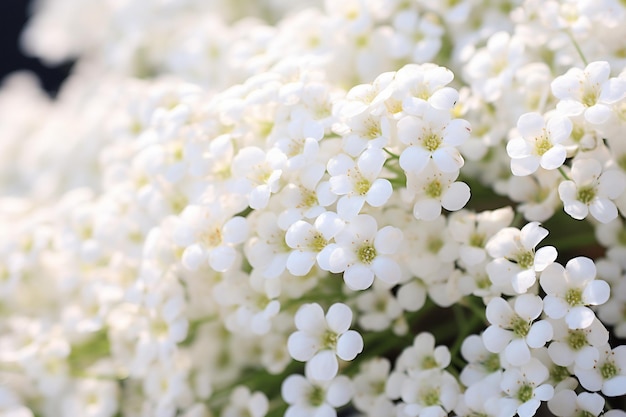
(361, 252)
(259, 173)
(310, 398)
(516, 261)
(244, 403)
(209, 233)
(569, 290)
(358, 182)
(473, 230)
(433, 136)
(514, 330)
(434, 189)
(320, 339)
(480, 362)
(430, 394)
(423, 356)
(524, 389)
(369, 384)
(592, 190)
(566, 403)
(577, 346)
(608, 374)
(588, 91)
(491, 69)
(540, 144)
(311, 243)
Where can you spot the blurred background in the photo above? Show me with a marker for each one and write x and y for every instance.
(13, 16)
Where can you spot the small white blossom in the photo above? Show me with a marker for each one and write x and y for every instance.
(592, 190)
(569, 290)
(540, 144)
(320, 339)
(516, 262)
(513, 328)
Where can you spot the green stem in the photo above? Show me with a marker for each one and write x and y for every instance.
(577, 46)
(562, 171)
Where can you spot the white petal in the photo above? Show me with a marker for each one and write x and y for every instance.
(539, 334)
(553, 158)
(545, 256)
(310, 319)
(517, 352)
(532, 234)
(387, 270)
(579, 318)
(517, 148)
(603, 210)
(524, 166)
(448, 159)
(414, 159)
(294, 388)
(300, 263)
(455, 198)
(302, 346)
(530, 125)
(349, 345)
(222, 258)
(555, 307)
(428, 209)
(379, 193)
(496, 339)
(323, 366)
(339, 318)
(193, 257)
(615, 386)
(388, 240)
(596, 293)
(358, 277)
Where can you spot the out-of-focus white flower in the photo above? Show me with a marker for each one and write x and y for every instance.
(567, 403)
(311, 398)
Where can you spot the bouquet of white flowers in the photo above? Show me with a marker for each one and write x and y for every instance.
(353, 208)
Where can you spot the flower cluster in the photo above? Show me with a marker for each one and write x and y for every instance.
(316, 208)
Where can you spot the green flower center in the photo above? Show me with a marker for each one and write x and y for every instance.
(362, 185)
(366, 253)
(316, 396)
(329, 339)
(492, 363)
(309, 198)
(586, 194)
(542, 145)
(431, 142)
(430, 397)
(526, 259)
(434, 245)
(577, 339)
(318, 243)
(429, 362)
(584, 413)
(477, 240)
(520, 326)
(590, 98)
(608, 370)
(525, 393)
(433, 189)
(574, 297)
(559, 373)
(483, 282)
